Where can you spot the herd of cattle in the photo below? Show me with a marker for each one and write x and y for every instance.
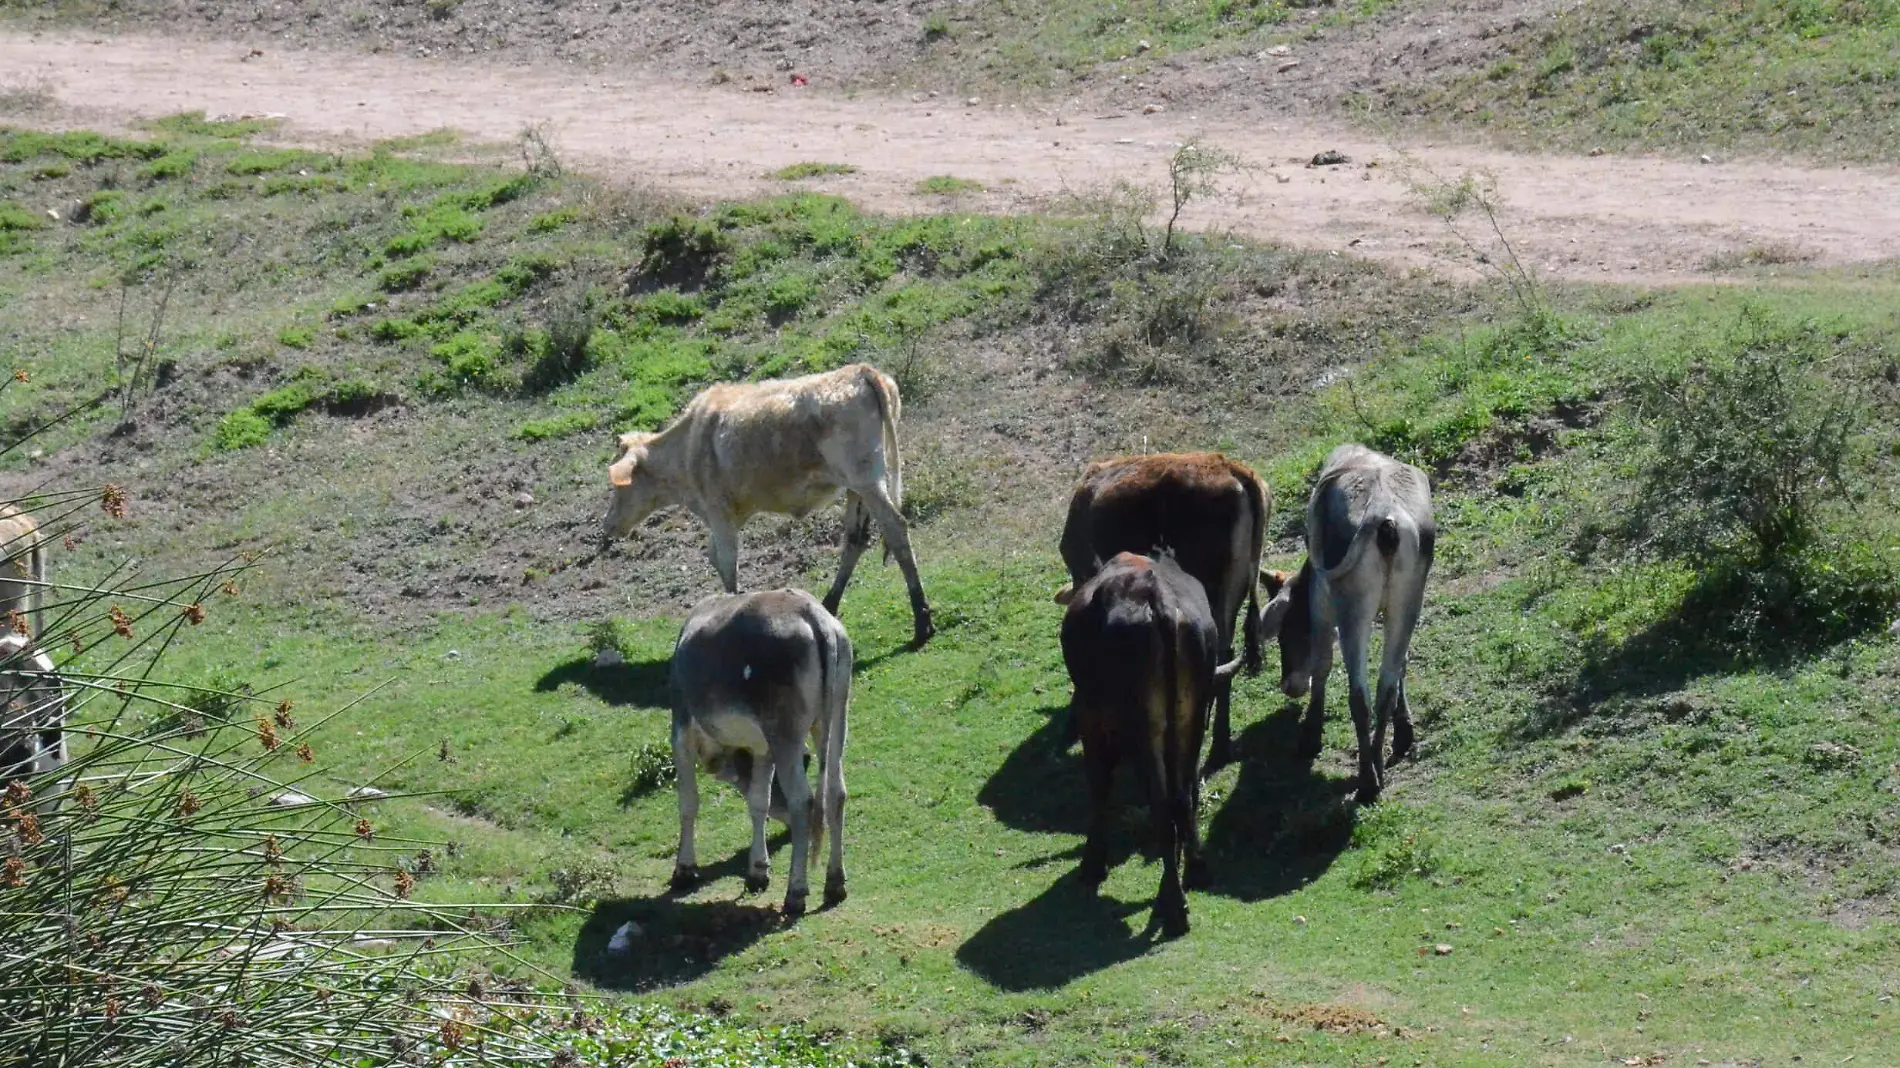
(1163, 554)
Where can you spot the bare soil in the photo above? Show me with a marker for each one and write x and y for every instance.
(1636, 220)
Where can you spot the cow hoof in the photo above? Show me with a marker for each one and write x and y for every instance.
(757, 882)
(1174, 924)
(831, 605)
(1197, 876)
(1402, 744)
(794, 904)
(685, 877)
(1309, 749)
(923, 631)
(1368, 793)
(834, 891)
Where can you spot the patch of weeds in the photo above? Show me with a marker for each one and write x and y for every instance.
(273, 161)
(936, 27)
(472, 359)
(680, 252)
(944, 185)
(1393, 847)
(935, 485)
(296, 337)
(525, 271)
(559, 426)
(800, 171)
(404, 275)
(553, 221)
(582, 884)
(650, 769)
(566, 343)
(79, 146)
(194, 124)
(241, 430)
(16, 219)
(176, 164)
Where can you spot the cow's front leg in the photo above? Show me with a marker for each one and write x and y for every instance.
(857, 538)
(789, 762)
(758, 798)
(1098, 758)
(725, 551)
(686, 863)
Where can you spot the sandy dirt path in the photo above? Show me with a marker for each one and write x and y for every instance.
(1628, 219)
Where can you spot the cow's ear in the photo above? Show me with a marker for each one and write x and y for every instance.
(621, 472)
(1065, 594)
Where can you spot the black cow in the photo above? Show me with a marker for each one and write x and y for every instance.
(1209, 512)
(1142, 651)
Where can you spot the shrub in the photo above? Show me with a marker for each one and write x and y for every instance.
(472, 358)
(944, 185)
(1744, 445)
(564, 352)
(296, 337)
(681, 251)
(177, 163)
(405, 274)
(241, 430)
(798, 171)
(558, 426)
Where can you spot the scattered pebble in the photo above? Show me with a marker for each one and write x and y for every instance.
(1154, 109)
(292, 799)
(622, 942)
(1442, 949)
(367, 793)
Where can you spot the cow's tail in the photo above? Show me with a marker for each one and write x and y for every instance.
(890, 408)
(1260, 499)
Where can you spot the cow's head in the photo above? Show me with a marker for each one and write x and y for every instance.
(635, 496)
(1289, 615)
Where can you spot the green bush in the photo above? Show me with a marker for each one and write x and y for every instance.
(177, 163)
(565, 351)
(472, 358)
(296, 337)
(405, 274)
(241, 430)
(558, 426)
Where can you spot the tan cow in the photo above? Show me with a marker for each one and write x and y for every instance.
(789, 447)
(22, 569)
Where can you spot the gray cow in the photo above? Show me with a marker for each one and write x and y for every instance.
(1369, 525)
(32, 713)
(754, 676)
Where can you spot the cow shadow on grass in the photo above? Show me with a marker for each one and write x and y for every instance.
(644, 684)
(679, 941)
(1040, 786)
(1283, 824)
(1065, 933)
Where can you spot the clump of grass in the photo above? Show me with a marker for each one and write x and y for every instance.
(650, 768)
(296, 337)
(944, 185)
(241, 429)
(565, 350)
(559, 426)
(800, 171)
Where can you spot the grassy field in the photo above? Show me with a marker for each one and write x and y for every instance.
(1654, 818)
(1820, 78)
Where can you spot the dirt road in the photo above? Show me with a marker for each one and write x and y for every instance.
(1605, 218)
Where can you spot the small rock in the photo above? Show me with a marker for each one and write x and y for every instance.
(292, 799)
(608, 658)
(1282, 178)
(1597, 151)
(1705, 159)
(622, 942)
(973, 101)
(1442, 949)
(53, 214)
(1142, 46)
(1301, 920)
(1332, 157)
(1279, 50)
(1287, 66)
(524, 499)
(1154, 109)
(366, 793)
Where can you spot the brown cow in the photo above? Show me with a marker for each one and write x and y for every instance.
(787, 446)
(1208, 511)
(1141, 648)
(22, 570)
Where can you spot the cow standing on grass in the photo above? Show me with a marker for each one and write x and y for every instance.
(789, 447)
(22, 571)
(32, 713)
(754, 676)
(1369, 527)
(1208, 511)
(1142, 651)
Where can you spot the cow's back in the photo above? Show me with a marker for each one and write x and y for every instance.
(761, 445)
(746, 650)
(1196, 505)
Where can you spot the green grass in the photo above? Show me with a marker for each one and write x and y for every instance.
(1632, 836)
(799, 171)
(1820, 77)
(944, 185)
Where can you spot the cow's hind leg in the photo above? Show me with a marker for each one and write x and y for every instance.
(857, 538)
(758, 798)
(686, 863)
(897, 536)
(833, 808)
(1402, 609)
(788, 759)
(1221, 753)
(1355, 634)
(1171, 902)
